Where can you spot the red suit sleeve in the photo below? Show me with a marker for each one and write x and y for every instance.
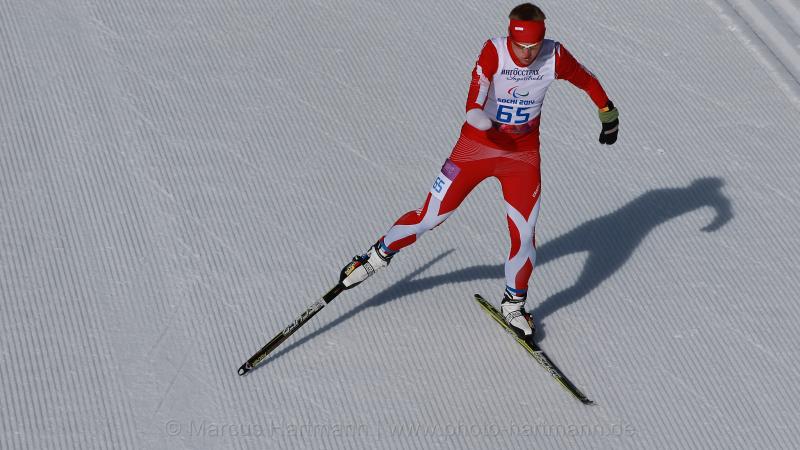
(568, 68)
(485, 68)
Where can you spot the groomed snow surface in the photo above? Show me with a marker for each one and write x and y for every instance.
(180, 179)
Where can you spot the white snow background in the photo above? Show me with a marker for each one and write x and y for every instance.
(180, 179)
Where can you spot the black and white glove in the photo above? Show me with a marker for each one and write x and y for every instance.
(609, 116)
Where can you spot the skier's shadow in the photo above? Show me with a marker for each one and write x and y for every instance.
(609, 241)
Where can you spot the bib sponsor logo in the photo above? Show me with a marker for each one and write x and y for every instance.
(521, 74)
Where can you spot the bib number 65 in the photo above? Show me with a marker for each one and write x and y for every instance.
(511, 114)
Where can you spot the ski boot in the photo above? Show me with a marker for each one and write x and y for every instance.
(513, 310)
(363, 266)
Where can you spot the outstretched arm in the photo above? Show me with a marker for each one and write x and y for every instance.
(568, 68)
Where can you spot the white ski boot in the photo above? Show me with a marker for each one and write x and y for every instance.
(363, 266)
(513, 310)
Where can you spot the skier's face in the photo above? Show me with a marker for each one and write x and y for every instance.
(525, 53)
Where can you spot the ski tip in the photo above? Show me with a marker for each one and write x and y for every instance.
(246, 367)
(587, 402)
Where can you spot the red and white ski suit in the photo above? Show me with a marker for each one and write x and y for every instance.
(512, 96)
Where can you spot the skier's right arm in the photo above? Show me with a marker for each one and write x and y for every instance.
(484, 69)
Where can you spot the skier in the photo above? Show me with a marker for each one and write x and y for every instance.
(500, 138)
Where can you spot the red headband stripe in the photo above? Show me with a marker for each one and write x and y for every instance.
(526, 31)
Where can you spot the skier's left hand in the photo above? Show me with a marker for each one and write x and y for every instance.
(610, 118)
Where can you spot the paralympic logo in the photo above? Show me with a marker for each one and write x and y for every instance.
(517, 94)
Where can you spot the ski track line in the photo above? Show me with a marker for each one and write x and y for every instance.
(345, 145)
(702, 398)
(790, 10)
(781, 194)
(769, 38)
(772, 24)
(171, 383)
(186, 212)
(640, 61)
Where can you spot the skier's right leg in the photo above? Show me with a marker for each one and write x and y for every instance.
(449, 189)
